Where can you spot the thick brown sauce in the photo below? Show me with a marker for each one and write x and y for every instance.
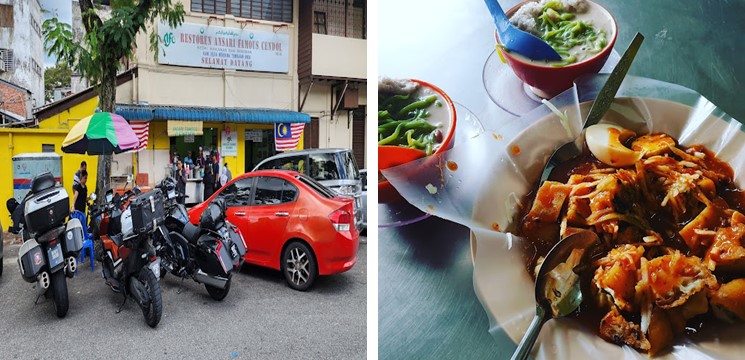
(542, 237)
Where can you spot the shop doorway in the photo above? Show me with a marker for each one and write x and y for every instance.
(259, 146)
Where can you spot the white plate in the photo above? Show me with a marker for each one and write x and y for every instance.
(503, 285)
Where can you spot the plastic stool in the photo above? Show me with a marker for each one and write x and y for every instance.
(87, 246)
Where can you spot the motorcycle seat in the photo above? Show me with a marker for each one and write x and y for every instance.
(191, 233)
(117, 239)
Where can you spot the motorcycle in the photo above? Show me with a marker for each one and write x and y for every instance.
(207, 253)
(50, 244)
(130, 266)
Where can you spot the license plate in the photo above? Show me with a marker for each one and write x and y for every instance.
(55, 255)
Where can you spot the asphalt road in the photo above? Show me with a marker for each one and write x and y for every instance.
(261, 318)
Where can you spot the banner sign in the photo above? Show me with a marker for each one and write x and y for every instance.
(229, 143)
(181, 128)
(254, 136)
(218, 47)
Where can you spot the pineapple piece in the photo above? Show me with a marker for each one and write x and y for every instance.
(548, 201)
(709, 218)
(728, 302)
(617, 274)
(727, 253)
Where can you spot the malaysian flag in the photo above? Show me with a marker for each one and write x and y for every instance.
(141, 128)
(287, 136)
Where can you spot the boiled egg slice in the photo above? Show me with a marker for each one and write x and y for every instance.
(606, 143)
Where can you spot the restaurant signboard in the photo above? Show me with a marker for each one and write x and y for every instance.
(200, 45)
(183, 128)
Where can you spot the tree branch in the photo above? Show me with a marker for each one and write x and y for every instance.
(89, 17)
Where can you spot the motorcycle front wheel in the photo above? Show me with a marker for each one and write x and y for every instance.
(154, 309)
(59, 291)
(217, 293)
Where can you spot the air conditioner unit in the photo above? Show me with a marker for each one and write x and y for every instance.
(7, 61)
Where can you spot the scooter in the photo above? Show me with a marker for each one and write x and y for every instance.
(50, 244)
(207, 253)
(130, 265)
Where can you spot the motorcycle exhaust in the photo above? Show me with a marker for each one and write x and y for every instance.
(43, 280)
(214, 281)
(71, 266)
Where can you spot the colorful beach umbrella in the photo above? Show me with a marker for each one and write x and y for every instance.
(100, 134)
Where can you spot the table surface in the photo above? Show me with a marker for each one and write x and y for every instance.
(427, 307)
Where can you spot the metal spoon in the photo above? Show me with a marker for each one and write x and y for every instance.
(519, 41)
(599, 107)
(557, 286)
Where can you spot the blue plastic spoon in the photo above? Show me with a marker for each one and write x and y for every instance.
(521, 42)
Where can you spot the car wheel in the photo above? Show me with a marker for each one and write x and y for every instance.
(299, 266)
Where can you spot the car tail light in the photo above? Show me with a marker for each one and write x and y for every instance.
(341, 219)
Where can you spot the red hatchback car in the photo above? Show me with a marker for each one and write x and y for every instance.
(290, 223)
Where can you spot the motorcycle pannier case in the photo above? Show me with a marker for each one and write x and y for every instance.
(46, 209)
(74, 237)
(148, 211)
(237, 239)
(31, 260)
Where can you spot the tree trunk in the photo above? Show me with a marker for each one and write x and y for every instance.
(106, 103)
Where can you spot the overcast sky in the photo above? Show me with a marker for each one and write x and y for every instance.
(61, 9)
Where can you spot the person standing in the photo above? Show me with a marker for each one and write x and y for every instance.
(180, 182)
(200, 160)
(208, 180)
(225, 176)
(216, 172)
(80, 193)
(76, 177)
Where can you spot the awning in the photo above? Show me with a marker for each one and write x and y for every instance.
(201, 113)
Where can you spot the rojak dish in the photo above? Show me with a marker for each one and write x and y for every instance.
(671, 222)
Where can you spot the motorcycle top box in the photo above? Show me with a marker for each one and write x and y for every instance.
(148, 211)
(47, 206)
(30, 260)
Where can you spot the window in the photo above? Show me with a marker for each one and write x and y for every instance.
(37, 68)
(296, 163)
(47, 148)
(268, 191)
(289, 192)
(238, 193)
(7, 60)
(35, 26)
(271, 10)
(316, 186)
(323, 167)
(6, 16)
(319, 22)
(349, 166)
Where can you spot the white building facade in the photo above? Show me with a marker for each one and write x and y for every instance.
(21, 47)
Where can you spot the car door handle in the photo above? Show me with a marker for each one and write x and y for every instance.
(240, 213)
(282, 213)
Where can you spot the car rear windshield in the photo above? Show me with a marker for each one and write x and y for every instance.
(316, 186)
(333, 166)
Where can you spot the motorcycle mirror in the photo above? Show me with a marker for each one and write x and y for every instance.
(92, 197)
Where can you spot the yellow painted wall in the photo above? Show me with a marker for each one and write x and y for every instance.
(52, 130)
(19, 141)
